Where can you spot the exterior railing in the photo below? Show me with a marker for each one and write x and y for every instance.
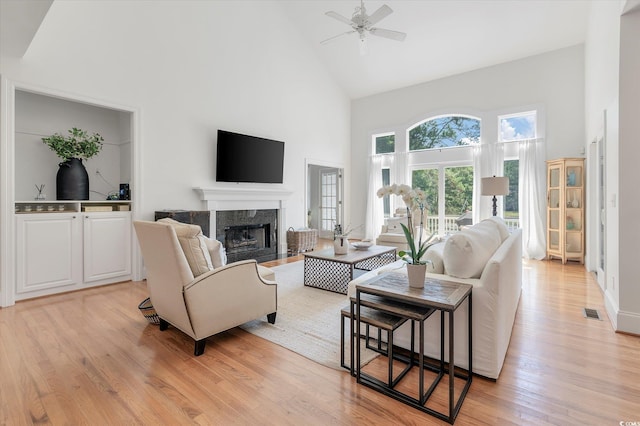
(450, 225)
(512, 223)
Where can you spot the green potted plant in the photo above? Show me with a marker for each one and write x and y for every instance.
(72, 180)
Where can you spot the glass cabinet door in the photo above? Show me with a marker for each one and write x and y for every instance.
(554, 199)
(554, 229)
(574, 176)
(554, 177)
(565, 209)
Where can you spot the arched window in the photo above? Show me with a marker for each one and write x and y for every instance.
(444, 132)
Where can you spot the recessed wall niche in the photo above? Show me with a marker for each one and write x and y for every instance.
(38, 116)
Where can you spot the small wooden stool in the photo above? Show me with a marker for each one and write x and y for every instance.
(378, 319)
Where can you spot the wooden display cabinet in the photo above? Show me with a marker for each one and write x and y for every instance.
(565, 209)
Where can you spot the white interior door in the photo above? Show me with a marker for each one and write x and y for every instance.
(330, 202)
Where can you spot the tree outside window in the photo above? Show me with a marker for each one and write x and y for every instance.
(458, 193)
(511, 211)
(427, 180)
(444, 132)
(385, 144)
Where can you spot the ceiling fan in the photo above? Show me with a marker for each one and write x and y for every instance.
(361, 23)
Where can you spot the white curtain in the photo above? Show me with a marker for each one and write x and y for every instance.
(375, 214)
(403, 174)
(531, 198)
(477, 182)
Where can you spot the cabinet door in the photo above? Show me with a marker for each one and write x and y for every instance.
(554, 223)
(47, 251)
(107, 245)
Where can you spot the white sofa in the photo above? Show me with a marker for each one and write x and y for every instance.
(497, 284)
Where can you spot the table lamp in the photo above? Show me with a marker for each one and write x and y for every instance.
(495, 186)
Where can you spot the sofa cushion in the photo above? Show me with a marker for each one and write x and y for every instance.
(394, 225)
(467, 252)
(266, 273)
(216, 251)
(434, 254)
(392, 238)
(193, 245)
(502, 227)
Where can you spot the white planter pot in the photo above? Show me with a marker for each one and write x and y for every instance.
(341, 245)
(415, 275)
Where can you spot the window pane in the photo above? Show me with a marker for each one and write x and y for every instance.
(458, 190)
(386, 203)
(518, 127)
(385, 144)
(328, 197)
(427, 180)
(445, 132)
(511, 213)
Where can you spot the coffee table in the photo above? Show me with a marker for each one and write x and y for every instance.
(329, 271)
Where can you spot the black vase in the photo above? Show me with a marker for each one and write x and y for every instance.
(72, 181)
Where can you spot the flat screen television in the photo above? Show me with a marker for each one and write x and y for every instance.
(243, 158)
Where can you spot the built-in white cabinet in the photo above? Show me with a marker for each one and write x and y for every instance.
(107, 245)
(48, 252)
(60, 246)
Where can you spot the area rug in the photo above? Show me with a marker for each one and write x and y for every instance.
(308, 320)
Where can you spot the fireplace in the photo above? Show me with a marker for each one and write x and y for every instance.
(248, 234)
(224, 199)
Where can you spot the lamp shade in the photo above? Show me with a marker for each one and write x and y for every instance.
(495, 185)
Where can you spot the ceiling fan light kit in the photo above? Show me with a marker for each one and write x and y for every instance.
(362, 24)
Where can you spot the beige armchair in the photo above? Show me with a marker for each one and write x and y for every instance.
(201, 306)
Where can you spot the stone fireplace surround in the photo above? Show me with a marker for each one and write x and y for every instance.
(224, 198)
(248, 234)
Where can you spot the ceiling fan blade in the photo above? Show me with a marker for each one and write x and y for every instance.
(339, 17)
(379, 14)
(330, 39)
(393, 35)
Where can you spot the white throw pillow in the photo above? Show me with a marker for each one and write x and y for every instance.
(193, 246)
(216, 251)
(502, 227)
(434, 254)
(467, 252)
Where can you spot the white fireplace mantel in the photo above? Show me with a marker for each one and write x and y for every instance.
(244, 198)
(248, 198)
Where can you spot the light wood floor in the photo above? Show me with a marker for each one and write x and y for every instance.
(90, 358)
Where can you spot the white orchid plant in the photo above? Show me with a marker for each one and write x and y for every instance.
(416, 202)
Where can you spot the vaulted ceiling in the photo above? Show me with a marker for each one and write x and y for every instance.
(444, 37)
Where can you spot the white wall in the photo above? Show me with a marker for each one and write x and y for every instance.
(612, 66)
(629, 172)
(602, 57)
(192, 67)
(554, 81)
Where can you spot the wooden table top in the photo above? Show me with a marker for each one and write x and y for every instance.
(445, 295)
(353, 256)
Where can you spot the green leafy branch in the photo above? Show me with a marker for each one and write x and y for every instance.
(79, 144)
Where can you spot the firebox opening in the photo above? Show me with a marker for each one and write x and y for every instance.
(246, 238)
(248, 234)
